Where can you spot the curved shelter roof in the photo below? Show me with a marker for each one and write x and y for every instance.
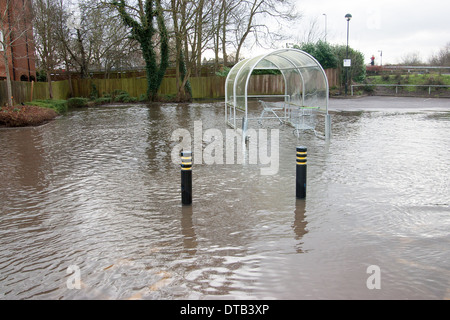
(306, 83)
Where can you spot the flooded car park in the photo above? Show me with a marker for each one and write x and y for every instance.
(96, 191)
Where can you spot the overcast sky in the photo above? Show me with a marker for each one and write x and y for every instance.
(395, 27)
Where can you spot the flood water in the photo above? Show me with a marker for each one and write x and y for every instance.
(97, 189)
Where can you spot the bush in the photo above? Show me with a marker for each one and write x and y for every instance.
(103, 100)
(20, 116)
(94, 92)
(125, 97)
(368, 89)
(77, 102)
(323, 52)
(122, 97)
(116, 93)
(60, 106)
(223, 72)
(143, 98)
(434, 81)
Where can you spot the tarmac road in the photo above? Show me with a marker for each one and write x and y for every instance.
(376, 103)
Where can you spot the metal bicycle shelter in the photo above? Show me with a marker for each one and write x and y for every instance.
(306, 91)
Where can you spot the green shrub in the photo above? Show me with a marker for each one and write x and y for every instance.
(103, 100)
(94, 92)
(368, 89)
(121, 97)
(223, 72)
(60, 106)
(125, 97)
(117, 93)
(143, 98)
(130, 99)
(322, 51)
(431, 80)
(77, 102)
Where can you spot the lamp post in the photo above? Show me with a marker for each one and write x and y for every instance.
(348, 17)
(324, 14)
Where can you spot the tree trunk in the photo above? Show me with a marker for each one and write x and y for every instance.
(8, 79)
(50, 88)
(84, 64)
(224, 33)
(184, 92)
(199, 37)
(143, 31)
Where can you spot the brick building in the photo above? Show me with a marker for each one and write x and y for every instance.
(16, 40)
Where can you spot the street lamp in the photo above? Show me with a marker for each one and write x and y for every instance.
(324, 14)
(348, 17)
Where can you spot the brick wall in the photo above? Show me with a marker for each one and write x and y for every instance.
(17, 32)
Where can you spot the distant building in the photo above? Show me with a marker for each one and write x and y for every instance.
(16, 30)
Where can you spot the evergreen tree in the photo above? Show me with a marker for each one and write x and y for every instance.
(144, 32)
(332, 56)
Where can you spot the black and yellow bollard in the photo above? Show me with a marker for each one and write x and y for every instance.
(302, 153)
(186, 177)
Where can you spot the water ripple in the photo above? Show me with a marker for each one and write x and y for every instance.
(97, 189)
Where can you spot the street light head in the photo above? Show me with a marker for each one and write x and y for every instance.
(348, 16)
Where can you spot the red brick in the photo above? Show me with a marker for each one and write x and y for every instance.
(21, 55)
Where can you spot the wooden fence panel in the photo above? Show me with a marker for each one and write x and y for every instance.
(20, 92)
(3, 93)
(333, 77)
(40, 91)
(202, 87)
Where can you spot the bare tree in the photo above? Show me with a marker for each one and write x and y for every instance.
(108, 41)
(181, 17)
(311, 34)
(411, 59)
(45, 13)
(252, 16)
(442, 58)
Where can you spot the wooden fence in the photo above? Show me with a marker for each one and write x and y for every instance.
(27, 91)
(202, 87)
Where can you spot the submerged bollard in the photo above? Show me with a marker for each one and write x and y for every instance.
(186, 177)
(327, 127)
(302, 153)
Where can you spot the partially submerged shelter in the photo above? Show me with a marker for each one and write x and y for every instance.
(306, 91)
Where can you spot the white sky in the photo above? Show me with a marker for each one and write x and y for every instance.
(397, 27)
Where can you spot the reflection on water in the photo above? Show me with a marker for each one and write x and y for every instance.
(300, 223)
(97, 189)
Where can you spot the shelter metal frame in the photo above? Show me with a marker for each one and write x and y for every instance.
(306, 90)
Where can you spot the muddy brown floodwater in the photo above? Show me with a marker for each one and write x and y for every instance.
(96, 191)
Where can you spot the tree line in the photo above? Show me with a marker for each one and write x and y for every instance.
(110, 35)
(331, 56)
(440, 58)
